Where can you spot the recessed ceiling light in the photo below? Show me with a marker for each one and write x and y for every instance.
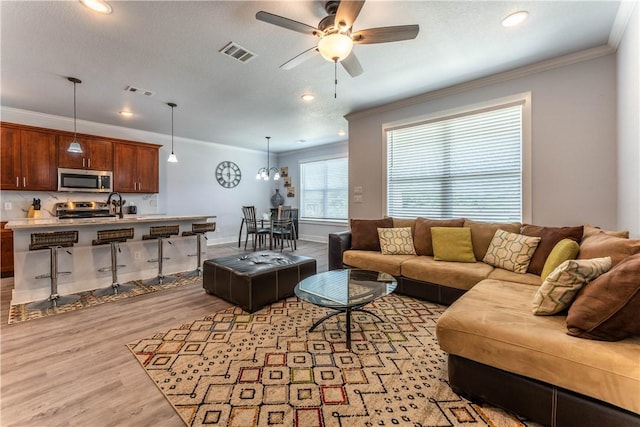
(308, 97)
(99, 6)
(342, 133)
(515, 18)
(126, 113)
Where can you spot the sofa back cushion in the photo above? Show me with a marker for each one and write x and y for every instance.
(452, 244)
(422, 239)
(550, 237)
(364, 233)
(482, 233)
(607, 308)
(600, 245)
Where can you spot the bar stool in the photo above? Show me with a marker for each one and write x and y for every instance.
(53, 241)
(160, 233)
(199, 229)
(113, 238)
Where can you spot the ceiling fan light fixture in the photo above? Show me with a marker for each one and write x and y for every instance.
(515, 19)
(335, 47)
(99, 6)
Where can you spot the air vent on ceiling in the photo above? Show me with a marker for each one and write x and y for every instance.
(236, 51)
(138, 91)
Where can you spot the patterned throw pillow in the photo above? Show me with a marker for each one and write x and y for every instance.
(396, 241)
(511, 251)
(561, 286)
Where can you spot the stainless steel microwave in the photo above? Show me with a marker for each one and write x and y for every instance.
(82, 180)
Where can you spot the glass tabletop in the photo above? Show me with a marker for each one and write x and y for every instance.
(345, 288)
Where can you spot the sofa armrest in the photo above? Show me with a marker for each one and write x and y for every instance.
(338, 243)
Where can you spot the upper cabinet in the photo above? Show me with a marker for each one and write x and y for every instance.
(31, 157)
(97, 153)
(135, 168)
(28, 159)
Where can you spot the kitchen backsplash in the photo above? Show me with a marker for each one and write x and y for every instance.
(18, 202)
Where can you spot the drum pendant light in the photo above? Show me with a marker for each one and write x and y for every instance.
(74, 146)
(172, 157)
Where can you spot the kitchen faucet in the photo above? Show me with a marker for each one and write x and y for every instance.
(120, 214)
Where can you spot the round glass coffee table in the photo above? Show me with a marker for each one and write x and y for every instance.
(345, 291)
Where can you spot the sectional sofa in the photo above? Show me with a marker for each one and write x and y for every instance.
(499, 351)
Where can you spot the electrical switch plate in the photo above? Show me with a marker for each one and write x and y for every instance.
(358, 198)
(8, 206)
(357, 189)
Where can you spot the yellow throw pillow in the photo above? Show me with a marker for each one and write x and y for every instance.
(558, 291)
(396, 241)
(511, 251)
(564, 250)
(452, 244)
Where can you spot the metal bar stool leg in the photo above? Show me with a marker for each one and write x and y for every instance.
(55, 299)
(116, 287)
(160, 278)
(198, 271)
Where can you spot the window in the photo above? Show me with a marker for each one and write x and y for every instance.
(323, 192)
(466, 166)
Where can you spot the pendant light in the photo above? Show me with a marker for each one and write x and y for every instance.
(264, 173)
(172, 157)
(74, 146)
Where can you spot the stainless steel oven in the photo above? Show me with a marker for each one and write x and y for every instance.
(82, 180)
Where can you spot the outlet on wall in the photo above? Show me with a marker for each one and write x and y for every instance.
(136, 255)
(8, 206)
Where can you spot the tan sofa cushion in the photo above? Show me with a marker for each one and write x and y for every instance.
(370, 260)
(482, 233)
(459, 275)
(492, 324)
(404, 222)
(601, 245)
(422, 234)
(510, 276)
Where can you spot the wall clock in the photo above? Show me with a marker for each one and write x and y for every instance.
(228, 174)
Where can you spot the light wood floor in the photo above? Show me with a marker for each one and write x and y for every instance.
(74, 369)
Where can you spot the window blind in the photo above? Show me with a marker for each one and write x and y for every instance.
(468, 166)
(323, 192)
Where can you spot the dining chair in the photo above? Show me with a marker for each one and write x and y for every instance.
(258, 233)
(283, 229)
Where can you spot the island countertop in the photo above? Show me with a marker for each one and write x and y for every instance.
(18, 224)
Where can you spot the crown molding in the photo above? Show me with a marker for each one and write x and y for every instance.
(527, 70)
(621, 21)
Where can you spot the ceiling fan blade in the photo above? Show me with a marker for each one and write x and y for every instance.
(299, 59)
(347, 13)
(287, 23)
(386, 34)
(352, 65)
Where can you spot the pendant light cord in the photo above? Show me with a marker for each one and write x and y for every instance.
(171, 129)
(74, 113)
(335, 78)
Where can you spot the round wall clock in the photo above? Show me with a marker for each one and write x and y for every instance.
(228, 174)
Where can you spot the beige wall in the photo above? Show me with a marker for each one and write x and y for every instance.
(574, 175)
(629, 127)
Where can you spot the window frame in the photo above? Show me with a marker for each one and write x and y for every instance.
(321, 221)
(523, 99)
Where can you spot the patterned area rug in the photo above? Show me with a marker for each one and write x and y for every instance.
(265, 369)
(20, 313)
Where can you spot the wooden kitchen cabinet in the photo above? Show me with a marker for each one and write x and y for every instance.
(97, 154)
(135, 168)
(28, 159)
(6, 245)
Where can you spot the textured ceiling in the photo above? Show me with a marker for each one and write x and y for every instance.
(171, 48)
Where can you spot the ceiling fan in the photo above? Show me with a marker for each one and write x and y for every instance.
(336, 35)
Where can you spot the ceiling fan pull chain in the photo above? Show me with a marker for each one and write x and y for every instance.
(335, 79)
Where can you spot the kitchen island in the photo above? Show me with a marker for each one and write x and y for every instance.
(85, 259)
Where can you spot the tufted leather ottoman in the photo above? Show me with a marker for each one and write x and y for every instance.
(255, 279)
